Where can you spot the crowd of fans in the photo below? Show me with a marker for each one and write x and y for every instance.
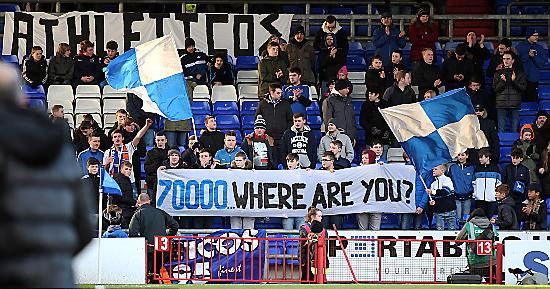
(512, 195)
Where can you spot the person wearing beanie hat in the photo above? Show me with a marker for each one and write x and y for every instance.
(541, 128)
(342, 73)
(387, 38)
(457, 70)
(194, 63)
(333, 133)
(423, 33)
(338, 107)
(533, 58)
(258, 146)
(301, 54)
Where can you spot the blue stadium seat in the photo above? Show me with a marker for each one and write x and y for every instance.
(545, 104)
(34, 92)
(530, 106)
(526, 119)
(38, 104)
(505, 154)
(544, 92)
(534, 10)
(341, 10)
(548, 205)
(314, 121)
(313, 29)
(508, 138)
(390, 221)
(291, 9)
(6, 7)
(225, 107)
(355, 48)
(248, 121)
(318, 10)
(247, 63)
(269, 223)
(361, 10)
(544, 76)
(249, 107)
(361, 30)
(356, 63)
(201, 107)
(357, 104)
(275, 251)
(199, 121)
(9, 58)
(317, 134)
(357, 123)
(313, 109)
(228, 122)
(451, 45)
(360, 137)
(349, 222)
(517, 31)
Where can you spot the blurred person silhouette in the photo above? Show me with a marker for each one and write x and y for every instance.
(45, 222)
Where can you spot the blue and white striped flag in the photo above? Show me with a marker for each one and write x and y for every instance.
(153, 72)
(434, 131)
(108, 185)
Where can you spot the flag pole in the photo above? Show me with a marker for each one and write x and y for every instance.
(100, 218)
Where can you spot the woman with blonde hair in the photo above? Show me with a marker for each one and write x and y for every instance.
(61, 66)
(309, 234)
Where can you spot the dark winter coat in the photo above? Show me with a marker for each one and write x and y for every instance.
(60, 70)
(149, 222)
(386, 44)
(453, 66)
(35, 72)
(44, 207)
(538, 218)
(422, 36)
(395, 96)
(302, 55)
(301, 143)
(374, 81)
(340, 38)
(508, 93)
(512, 174)
(507, 219)
(424, 75)
(193, 64)
(153, 160)
(329, 66)
(267, 68)
(88, 66)
(277, 116)
(489, 128)
(373, 123)
(190, 157)
(223, 75)
(340, 109)
(212, 140)
(477, 56)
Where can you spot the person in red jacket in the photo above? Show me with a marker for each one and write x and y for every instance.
(423, 33)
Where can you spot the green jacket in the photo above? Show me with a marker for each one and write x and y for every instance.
(471, 230)
(267, 68)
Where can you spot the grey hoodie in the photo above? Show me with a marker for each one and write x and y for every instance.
(347, 146)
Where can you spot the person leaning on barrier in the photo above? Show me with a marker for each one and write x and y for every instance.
(478, 227)
(45, 211)
(309, 235)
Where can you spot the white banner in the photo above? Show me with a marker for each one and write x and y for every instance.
(377, 188)
(238, 34)
(414, 262)
(534, 255)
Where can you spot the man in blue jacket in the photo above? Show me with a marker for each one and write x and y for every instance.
(462, 176)
(194, 63)
(533, 57)
(387, 39)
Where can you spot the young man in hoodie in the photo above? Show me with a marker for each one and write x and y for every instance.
(333, 133)
(533, 57)
(194, 63)
(301, 54)
(225, 156)
(388, 38)
(371, 119)
(258, 146)
(376, 75)
(154, 158)
(277, 114)
(462, 176)
(35, 68)
(506, 218)
(339, 108)
(87, 66)
(271, 69)
(509, 84)
(299, 140)
(516, 176)
(442, 200)
(487, 178)
(296, 92)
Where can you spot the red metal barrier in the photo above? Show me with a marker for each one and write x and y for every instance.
(299, 260)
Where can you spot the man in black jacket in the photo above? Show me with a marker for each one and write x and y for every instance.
(42, 199)
(211, 138)
(457, 69)
(153, 160)
(507, 218)
(541, 129)
(425, 73)
(489, 128)
(149, 222)
(277, 114)
(372, 121)
(125, 201)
